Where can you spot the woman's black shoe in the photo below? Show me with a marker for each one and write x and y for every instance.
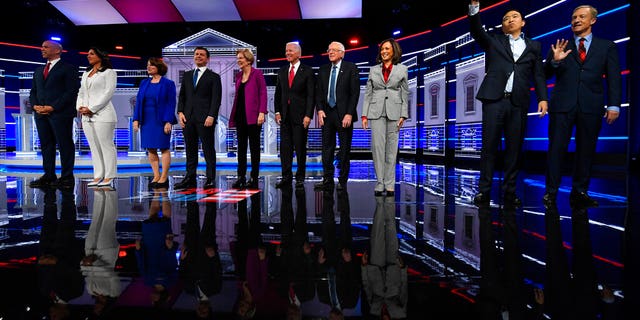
(378, 193)
(252, 184)
(161, 185)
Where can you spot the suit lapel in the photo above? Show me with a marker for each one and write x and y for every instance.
(527, 47)
(507, 47)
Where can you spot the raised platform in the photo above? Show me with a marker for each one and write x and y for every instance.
(32, 161)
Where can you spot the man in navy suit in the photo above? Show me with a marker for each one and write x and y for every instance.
(293, 104)
(512, 62)
(577, 101)
(198, 106)
(53, 97)
(337, 112)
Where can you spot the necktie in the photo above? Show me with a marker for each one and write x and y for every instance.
(195, 77)
(45, 73)
(582, 51)
(291, 75)
(332, 87)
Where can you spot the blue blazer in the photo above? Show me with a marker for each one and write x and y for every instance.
(580, 85)
(59, 90)
(166, 101)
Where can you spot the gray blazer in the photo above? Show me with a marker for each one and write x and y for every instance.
(393, 96)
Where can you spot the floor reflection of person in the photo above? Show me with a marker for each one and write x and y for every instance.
(101, 252)
(384, 274)
(258, 296)
(572, 292)
(58, 264)
(200, 267)
(502, 284)
(156, 251)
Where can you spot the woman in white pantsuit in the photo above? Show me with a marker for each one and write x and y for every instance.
(99, 116)
(385, 108)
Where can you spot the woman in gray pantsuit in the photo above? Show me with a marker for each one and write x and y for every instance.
(386, 106)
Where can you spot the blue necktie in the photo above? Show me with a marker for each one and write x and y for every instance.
(195, 77)
(332, 87)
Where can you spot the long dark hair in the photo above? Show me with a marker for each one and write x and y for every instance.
(104, 57)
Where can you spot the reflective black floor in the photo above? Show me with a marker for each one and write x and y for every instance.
(425, 252)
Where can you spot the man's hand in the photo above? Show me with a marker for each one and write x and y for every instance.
(611, 116)
(542, 108)
(278, 118)
(305, 122)
(321, 116)
(182, 119)
(136, 125)
(346, 121)
(558, 50)
(208, 122)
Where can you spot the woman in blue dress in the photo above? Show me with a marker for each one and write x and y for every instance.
(154, 115)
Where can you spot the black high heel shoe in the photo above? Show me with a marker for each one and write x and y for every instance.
(239, 184)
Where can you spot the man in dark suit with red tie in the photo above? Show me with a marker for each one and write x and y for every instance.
(337, 94)
(293, 104)
(578, 101)
(198, 105)
(512, 63)
(53, 97)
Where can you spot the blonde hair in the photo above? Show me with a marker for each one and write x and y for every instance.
(247, 54)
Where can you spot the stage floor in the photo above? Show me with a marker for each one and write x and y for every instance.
(314, 244)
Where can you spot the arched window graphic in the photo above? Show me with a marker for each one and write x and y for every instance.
(434, 91)
(470, 83)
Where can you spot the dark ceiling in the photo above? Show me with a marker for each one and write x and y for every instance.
(37, 20)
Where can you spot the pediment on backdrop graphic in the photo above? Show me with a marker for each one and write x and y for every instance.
(217, 43)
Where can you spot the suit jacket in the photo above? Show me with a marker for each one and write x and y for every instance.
(392, 96)
(165, 102)
(299, 99)
(347, 89)
(59, 90)
(203, 100)
(96, 94)
(499, 64)
(580, 85)
(255, 97)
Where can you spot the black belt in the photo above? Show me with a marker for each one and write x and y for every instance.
(507, 95)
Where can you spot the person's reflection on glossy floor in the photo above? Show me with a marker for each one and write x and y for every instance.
(101, 252)
(384, 274)
(200, 266)
(156, 251)
(502, 290)
(572, 293)
(58, 265)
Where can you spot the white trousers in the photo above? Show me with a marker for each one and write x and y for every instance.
(103, 149)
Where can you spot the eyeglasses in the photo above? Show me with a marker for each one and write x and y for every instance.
(334, 50)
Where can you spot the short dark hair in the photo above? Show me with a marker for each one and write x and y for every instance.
(159, 63)
(504, 13)
(397, 51)
(202, 48)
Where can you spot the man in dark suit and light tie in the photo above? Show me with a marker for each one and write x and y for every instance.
(293, 106)
(337, 94)
(53, 97)
(512, 63)
(577, 100)
(198, 106)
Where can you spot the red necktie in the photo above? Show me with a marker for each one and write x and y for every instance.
(582, 51)
(45, 73)
(291, 75)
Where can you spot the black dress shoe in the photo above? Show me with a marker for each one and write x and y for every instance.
(186, 183)
(324, 184)
(582, 200)
(341, 186)
(510, 199)
(549, 199)
(209, 184)
(283, 183)
(161, 185)
(240, 183)
(42, 182)
(64, 182)
(252, 183)
(481, 200)
(299, 184)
